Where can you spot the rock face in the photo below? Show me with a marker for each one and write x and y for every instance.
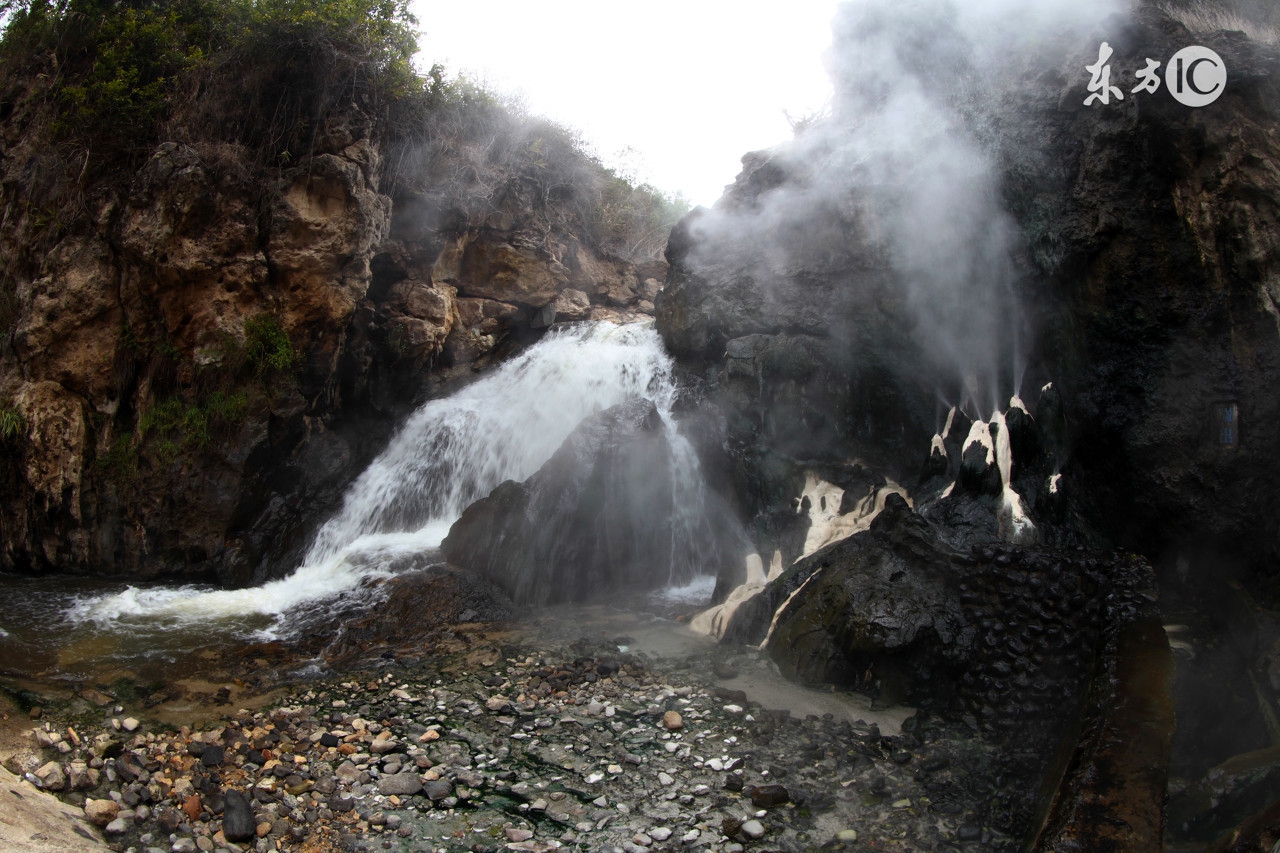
(1160, 252)
(206, 351)
(584, 524)
(1143, 245)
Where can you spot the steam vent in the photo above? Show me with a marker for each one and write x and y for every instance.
(382, 468)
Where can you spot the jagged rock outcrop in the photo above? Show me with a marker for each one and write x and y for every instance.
(603, 515)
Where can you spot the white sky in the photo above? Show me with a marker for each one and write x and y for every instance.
(690, 85)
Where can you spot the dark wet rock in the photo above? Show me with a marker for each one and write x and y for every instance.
(583, 525)
(420, 607)
(212, 755)
(342, 803)
(724, 669)
(1111, 796)
(238, 821)
(978, 470)
(885, 602)
(437, 789)
(1227, 796)
(768, 796)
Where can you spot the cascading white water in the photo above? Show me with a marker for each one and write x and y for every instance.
(450, 453)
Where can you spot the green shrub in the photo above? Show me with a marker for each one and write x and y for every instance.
(635, 219)
(267, 348)
(12, 425)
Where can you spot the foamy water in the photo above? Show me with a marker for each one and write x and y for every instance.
(448, 454)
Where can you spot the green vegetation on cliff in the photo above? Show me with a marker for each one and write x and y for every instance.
(116, 71)
(114, 77)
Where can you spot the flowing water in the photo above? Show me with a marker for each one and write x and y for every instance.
(449, 453)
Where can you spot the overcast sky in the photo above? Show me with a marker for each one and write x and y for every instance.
(690, 85)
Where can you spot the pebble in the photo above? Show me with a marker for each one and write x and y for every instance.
(765, 796)
(101, 812)
(400, 784)
(382, 763)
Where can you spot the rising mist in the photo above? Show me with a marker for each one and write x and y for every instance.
(901, 164)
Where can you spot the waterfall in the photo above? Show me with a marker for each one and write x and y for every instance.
(449, 453)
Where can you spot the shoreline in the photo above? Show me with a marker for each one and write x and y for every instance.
(537, 745)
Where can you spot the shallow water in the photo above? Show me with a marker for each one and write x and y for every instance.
(41, 635)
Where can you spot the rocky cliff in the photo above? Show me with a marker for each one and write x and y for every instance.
(1142, 239)
(203, 343)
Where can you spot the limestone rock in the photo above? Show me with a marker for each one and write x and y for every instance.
(52, 777)
(572, 305)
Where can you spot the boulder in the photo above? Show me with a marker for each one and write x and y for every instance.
(37, 822)
(596, 518)
(882, 603)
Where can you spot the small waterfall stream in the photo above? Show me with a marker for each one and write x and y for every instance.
(449, 453)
